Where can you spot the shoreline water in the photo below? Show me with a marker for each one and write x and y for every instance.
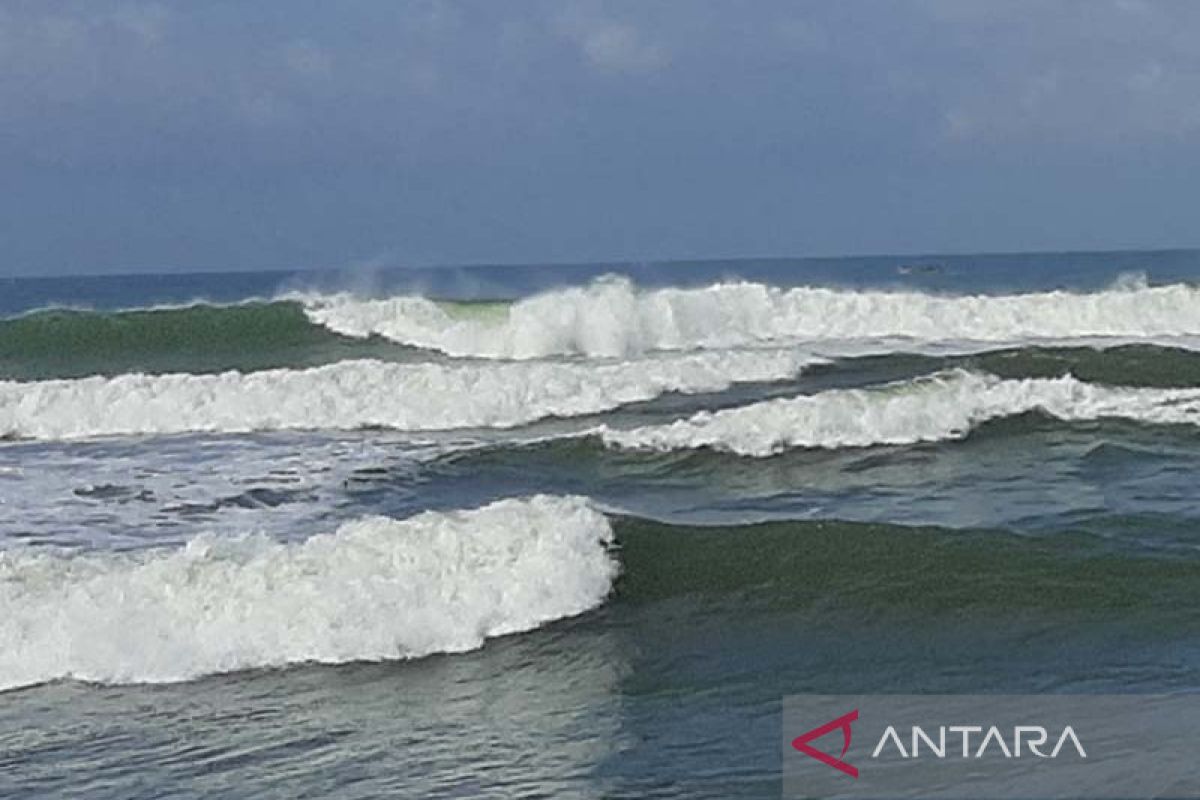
(580, 543)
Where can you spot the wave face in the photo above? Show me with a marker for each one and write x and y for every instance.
(357, 394)
(830, 565)
(65, 343)
(1126, 365)
(943, 406)
(612, 318)
(376, 589)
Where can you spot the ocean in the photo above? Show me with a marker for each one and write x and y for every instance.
(575, 531)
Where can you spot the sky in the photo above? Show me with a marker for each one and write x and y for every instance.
(163, 136)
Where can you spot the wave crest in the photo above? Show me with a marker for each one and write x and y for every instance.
(356, 394)
(943, 406)
(376, 589)
(612, 318)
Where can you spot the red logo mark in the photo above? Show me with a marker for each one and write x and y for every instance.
(801, 743)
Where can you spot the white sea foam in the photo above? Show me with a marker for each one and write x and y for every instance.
(947, 405)
(376, 589)
(612, 318)
(356, 394)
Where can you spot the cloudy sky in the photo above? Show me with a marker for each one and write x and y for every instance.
(228, 134)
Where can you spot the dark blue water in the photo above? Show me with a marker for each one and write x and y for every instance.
(958, 273)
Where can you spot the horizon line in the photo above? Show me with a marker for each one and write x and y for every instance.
(616, 263)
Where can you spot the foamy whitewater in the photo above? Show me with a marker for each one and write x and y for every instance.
(366, 393)
(378, 588)
(517, 532)
(613, 318)
(934, 408)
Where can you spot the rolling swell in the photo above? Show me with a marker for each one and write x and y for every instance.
(939, 407)
(444, 582)
(374, 589)
(366, 393)
(1145, 365)
(831, 565)
(613, 317)
(67, 343)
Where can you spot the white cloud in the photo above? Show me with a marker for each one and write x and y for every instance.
(1066, 73)
(613, 46)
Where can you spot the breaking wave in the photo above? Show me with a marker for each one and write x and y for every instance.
(943, 406)
(366, 393)
(376, 589)
(612, 318)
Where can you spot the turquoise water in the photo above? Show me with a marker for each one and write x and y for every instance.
(282, 535)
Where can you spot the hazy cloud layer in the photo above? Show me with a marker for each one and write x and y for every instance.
(228, 134)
